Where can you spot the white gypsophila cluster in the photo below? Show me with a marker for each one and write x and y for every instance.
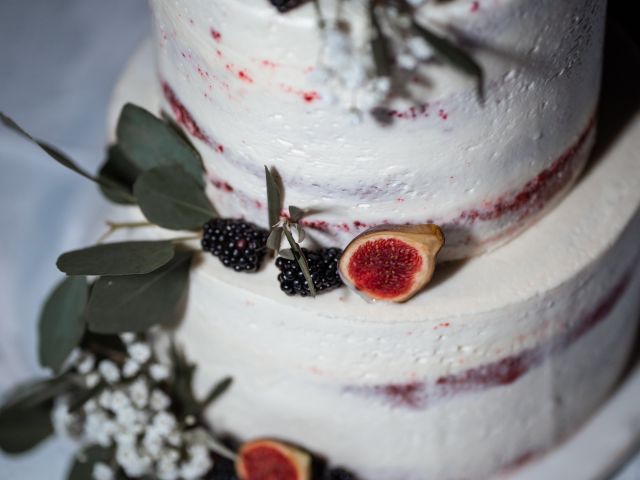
(346, 73)
(132, 415)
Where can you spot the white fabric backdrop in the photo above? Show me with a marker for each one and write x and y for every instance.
(59, 60)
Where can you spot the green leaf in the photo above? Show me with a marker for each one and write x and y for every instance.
(296, 213)
(83, 396)
(379, 45)
(453, 54)
(23, 426)
(148, 142)
(302, 261)
(31, 394)
(182, 384)
(274, 198)
(216, 392)
(275, 239)
(287, 253)
(82, 468)
(134, 303)
(61, 324)
(171, 198)
(118, 175)
(123, 258)
(54, 153)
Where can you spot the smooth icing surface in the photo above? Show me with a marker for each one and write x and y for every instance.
(239, 77)
(502, 356)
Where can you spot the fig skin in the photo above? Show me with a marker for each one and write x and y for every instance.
(295, 464)
(423, 242)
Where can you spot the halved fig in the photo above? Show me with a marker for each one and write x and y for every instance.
(391, 262)
(272, 460)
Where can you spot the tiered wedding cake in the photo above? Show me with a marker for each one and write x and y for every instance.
(505, 353)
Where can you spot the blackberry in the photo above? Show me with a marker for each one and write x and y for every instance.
(286, 5)
(323, 266)
(223, 469)
(238, 244)
(341, 474)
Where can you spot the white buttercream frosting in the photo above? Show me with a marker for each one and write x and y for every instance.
(254, 87)
(503, 355)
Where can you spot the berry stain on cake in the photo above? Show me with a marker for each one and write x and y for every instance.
(238, 244)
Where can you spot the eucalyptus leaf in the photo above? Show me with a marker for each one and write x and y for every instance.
(61, 324)
(37, 392)
(134, 303)
(453, 54)
(22, 428)
(275, 239)
(302, 261)
(287, 254)
(148, 142)
(54, 153)
(301, 233)
(182, 384)
(171, 198)
(216, 392)
(83, 396)
(118, 175)
(274, 198)
(379, 45)
(123, 258)
(296, 213)
(82, 468)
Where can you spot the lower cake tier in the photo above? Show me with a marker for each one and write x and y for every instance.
(502, 356)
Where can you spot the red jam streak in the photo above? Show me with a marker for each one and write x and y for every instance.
(505, 371)
(536, 192)
(182, 116)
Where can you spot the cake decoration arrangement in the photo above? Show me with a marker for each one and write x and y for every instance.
(425, 156)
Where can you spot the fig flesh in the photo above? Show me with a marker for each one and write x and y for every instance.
(272, 460)
(391, 262)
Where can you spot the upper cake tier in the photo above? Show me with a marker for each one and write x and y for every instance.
(256, 87)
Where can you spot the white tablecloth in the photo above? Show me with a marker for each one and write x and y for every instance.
(59, 60)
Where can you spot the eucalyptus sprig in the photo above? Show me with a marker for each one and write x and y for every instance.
(285, 225)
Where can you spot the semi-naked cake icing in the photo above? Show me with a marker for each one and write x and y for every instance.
(239, 77)
(506, 353)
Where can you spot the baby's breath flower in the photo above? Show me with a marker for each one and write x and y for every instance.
(139, 393)
(164, 422)
(87, 364)
(92, 380)
(109, 371)
(130, 368)
(159, 372)
(140, 352)
(159, 400)
(128, 337)
(102, 471)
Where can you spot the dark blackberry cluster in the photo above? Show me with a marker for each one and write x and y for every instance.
(238, 244)
(223, 469)
(339, 473)
(323, 266)
(286, 5)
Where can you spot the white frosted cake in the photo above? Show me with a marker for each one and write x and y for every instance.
(505, 353)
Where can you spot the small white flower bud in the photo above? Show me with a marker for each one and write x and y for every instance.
(109, 371)
(102, 471)
(130, 368)
(159, 372)
(140, 352)
(86, 364)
